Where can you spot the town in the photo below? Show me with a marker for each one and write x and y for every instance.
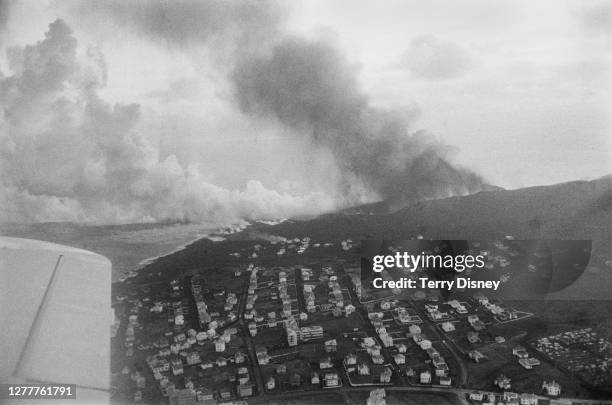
(292, 317)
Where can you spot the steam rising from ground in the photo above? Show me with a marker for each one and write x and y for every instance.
(66, 154)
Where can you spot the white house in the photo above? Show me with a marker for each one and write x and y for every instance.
(528, 399)
(314, 378)
(425, 344)
(385, 375)
(448, 326)
(363, 369)
(551, 388)
(425, 377)
(324, 363)
(476, 396)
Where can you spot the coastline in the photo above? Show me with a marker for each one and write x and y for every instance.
(217, 235)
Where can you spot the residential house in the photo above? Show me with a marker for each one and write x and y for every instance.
(271, 383)
(520, 352)
(281, 369)
(425, 344)
(528, 399)
(349, 309)
(551, 388)
(363, 369)
(473, 337)
(331, 346)
(331, 380)
(239, 357)
(205, 396)
(511, 398)
(476, 396)
(325, 362)
(350, 359)
(385, 375)
(476, 356)
(219, 345)
(253, 329)
(472, 318)
(262, 355)
(448, 326)
(292, 336)
(503, 382)
(314, 378)
(441, 369)
(245, 390)
(177, 366)
(193, 358)
(529, 362)
(387, 340)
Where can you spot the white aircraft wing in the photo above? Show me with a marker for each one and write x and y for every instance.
(55, 318)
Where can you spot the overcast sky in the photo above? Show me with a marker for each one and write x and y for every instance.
(520, 91)
(521, 88)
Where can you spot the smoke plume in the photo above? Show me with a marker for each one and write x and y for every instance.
(66, 154)
(232, 25)
(310, 87)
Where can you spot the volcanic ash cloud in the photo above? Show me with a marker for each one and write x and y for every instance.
(309, 87)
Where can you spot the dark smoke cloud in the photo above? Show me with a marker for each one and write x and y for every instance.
(189, 22)
(597, 18)
(311, 88)
(4, 14)
(66, 154)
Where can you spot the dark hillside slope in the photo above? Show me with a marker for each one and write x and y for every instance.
(575, 210)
